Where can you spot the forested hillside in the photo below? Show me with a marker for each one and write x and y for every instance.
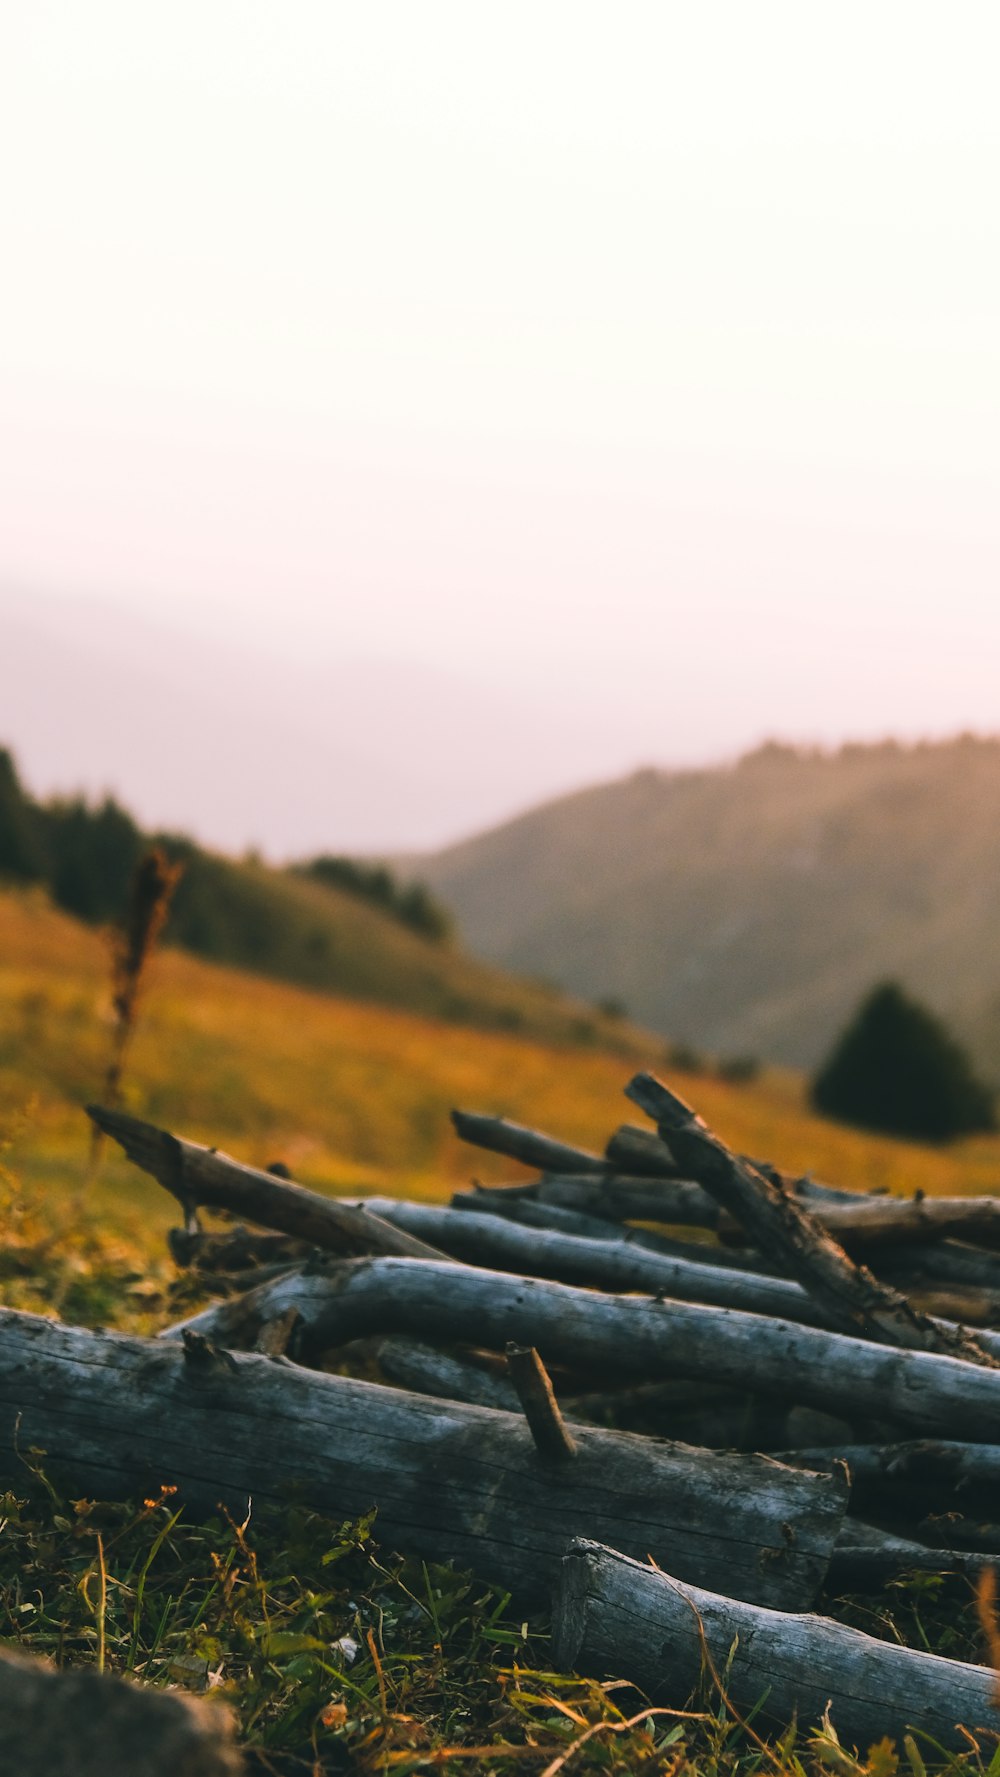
(330, 924)
(749, 908)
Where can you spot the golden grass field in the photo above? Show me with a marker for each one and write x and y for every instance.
(352, 1097)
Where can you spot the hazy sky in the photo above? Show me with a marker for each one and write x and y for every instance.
(640, 357)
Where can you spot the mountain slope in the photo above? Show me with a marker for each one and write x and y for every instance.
(748, 908)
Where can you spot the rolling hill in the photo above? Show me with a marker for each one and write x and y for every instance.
(748, 908)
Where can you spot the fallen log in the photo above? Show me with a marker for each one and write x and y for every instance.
(198, 1176)
(939, 1465)
(515, 1206)
(423, 1368)
(866, 1558)
(116, 1416)
(608, 1264)
(614, 1616)
(945, 1262)
(623, 1336)
(874, 1222)
(678, 1202)
(621, 1264)
(529, 1146)
(633, 1149)
(874, 1226)
(850, 1296)
(954, 1290)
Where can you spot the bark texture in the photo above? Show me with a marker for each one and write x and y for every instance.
(117, 1416)
(616, 1617)
(623, 1336)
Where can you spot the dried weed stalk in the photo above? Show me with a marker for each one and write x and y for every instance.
(133, 941)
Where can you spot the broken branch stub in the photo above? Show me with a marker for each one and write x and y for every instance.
(541, 1409)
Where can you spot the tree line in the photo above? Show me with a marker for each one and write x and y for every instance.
(84, 854)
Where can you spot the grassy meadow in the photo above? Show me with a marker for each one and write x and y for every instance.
(353, 1097)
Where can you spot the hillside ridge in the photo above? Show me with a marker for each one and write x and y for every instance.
(748, 907)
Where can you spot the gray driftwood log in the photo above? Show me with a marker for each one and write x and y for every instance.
(866, 1558)
(619, 1265)
(529, 1146)
(929, 1463)
(868, 1225)
(622, 1336)
(616, 1617)
(514, 1205)
(411, 1363)
(198, 1176)
(776, 1220)
(117, 1416)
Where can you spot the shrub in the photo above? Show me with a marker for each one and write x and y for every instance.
(896, 1069)
(611, 1007)
(411, 904)
(738, 1070)
(685, 1059)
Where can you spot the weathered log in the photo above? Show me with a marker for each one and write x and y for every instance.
(874, 1227)
(624, 1335)
(614, 1616)
(118, 1415)
(945, 1262)
(609, 1264)
(849, 1295)
(529, 1146)
(81, 1723)
(622, 1264)
(944, 1466)
(866, 1558)
(423, 1368)
(677, 1202)
(197, 1176)
(873, 1222)
(702, 1248)
(633, 1150)
(531, 1212)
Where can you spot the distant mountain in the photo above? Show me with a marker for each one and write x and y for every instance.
(748, 908)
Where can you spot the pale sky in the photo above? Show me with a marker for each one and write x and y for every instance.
(639, 359)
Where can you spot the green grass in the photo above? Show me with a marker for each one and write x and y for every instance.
(336, 1655)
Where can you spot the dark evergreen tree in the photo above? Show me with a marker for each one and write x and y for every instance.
(93, 852)
(897, 1069)
(22, 850)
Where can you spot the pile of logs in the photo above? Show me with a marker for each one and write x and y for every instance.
(681, 1430)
